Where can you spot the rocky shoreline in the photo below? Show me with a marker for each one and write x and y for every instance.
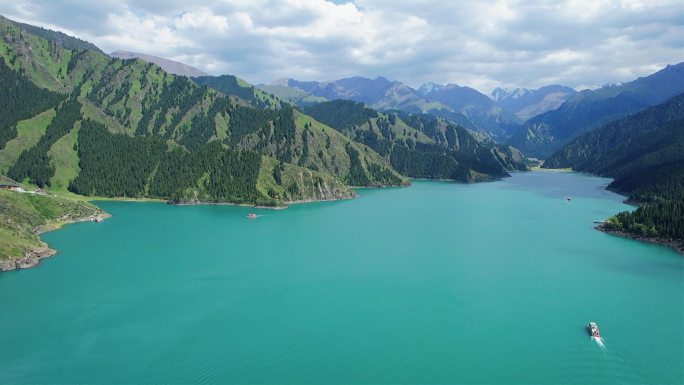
(30, 259)
(676, 244)
(33, 257)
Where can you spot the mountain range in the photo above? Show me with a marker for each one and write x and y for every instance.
(538, 122)
(544, 134)
(126, 127)
(418, 145)
(462, 105)
(526, 103)
(498, 116)
(644, 152)
(74, 120)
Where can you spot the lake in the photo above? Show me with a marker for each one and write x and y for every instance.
(435, 283)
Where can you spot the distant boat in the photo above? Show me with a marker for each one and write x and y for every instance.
(593, 330)
(251, 216)
(598, 222)
(568, 199)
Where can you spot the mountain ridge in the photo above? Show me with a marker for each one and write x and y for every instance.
(172, 122)
(168, 65)
(58, 37)
(527, 103)
(418, 146)
(631, 149)
(644, 153)
(130, 129)
(383, 94)
(544, 134)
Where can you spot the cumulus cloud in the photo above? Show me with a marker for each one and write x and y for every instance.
(482, 44)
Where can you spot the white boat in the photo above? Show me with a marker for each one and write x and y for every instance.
(593, 330)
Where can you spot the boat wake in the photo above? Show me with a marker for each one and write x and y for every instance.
(599, 342)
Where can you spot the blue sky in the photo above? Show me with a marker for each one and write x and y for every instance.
(482, 44)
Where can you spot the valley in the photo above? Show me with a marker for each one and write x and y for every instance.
(354, 192)
(101, 126)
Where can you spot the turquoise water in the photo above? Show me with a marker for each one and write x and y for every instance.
(436, 283)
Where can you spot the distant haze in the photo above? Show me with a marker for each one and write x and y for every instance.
(480, 44)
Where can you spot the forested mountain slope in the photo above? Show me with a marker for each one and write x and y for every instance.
(586, 110)
(118, 127)
(421, 146)
(234, 86)
(645, 154)
(20, 99)
(379, 93)
(173, 117)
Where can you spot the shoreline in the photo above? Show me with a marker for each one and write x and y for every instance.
(123, 199)
(543, 169)
(30, 259)
(628, 201)
(283, 207)
(33, 257)
(315, 201)
(676, 245)
(200, 203)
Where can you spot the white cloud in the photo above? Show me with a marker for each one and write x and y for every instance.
(203, 19)
(477, 43)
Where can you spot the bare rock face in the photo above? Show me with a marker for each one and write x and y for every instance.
(328, 192)
(32, 258)
(27, 262)
(7, 265)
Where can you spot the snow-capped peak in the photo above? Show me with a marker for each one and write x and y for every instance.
(611, 85)
(429, 87)
(500, 93)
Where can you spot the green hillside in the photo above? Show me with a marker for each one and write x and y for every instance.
(60, 38)
(20, 100)
(232, 85)
(24, 215)
(420, 145)
(174, 118)
(28, 133)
